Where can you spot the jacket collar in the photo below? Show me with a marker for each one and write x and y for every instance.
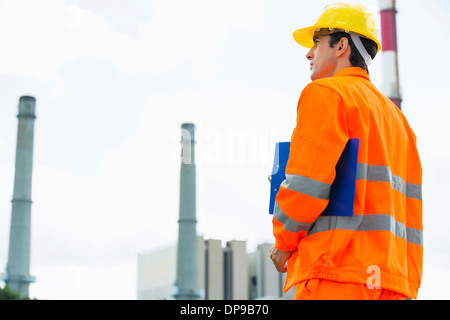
(353, 71)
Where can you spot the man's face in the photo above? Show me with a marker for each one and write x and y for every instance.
(322, 57)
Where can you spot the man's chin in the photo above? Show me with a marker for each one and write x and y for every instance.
(314, 76)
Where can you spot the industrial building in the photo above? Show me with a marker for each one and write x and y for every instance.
(224, 273)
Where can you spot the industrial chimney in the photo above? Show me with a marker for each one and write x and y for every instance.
(18, 268)
(391, 86)
(186, 282)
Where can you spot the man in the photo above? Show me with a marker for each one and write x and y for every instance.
(376, 253)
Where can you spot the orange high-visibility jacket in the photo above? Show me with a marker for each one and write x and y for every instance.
(382, 242)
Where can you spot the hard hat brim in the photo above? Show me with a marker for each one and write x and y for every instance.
(304, 36)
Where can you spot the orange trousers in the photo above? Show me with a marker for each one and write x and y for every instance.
(321, 289)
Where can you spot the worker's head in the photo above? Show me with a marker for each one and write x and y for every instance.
(350, 29)
(334, 50)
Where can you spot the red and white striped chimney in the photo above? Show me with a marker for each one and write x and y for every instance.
(390, 86)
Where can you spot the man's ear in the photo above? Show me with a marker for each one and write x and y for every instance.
(342, 46)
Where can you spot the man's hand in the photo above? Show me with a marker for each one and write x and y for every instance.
(279, 258)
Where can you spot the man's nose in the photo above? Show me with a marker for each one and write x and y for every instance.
(310, 54)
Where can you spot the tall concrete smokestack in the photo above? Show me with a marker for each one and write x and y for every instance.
(187, 223)
(18, 268)
(391, 86)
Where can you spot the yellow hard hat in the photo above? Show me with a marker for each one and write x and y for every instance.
(348, 17)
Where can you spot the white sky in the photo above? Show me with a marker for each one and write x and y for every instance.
(114, 80)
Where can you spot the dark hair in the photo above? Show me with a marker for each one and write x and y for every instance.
(355, 57)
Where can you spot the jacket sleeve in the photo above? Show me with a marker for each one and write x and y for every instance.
(317, 143)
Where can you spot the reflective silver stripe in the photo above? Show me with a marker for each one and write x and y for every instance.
(414, 191)
(288, 223)
(384, 174)
(307, 186)
(371, 222)
(414, 236)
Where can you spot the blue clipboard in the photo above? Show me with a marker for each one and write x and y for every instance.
(342, 193)
(278, 171)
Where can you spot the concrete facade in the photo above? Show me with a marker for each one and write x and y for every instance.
(214, 270)
(156, 274)
(236, 271)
